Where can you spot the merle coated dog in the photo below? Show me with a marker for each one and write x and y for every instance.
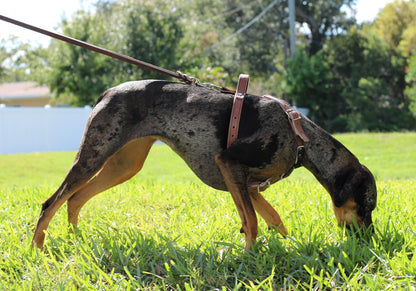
(126, 120)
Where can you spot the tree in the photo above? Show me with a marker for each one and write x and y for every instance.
(137, 28)
(260, 46)
(75, 73)
(356, 85)
(20, 61)
(396, 24)
(152, 32)
(325, 19)
(310, 85)
(411, 84)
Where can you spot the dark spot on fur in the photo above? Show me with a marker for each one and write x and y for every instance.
(100, 128)
(334, 154)
(249, 122)
(191, 133)
(362, 183)
(255, 153)
(96, 154)
(343, 177)
(220, 121)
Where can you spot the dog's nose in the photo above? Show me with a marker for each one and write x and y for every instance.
(365, 225)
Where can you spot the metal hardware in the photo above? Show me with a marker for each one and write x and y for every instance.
(195, 81)
(300, 151)
(263, 184)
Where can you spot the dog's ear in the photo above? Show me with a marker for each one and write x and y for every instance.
(357, 183)
(366, 192)
(343, 186)
(349, 183)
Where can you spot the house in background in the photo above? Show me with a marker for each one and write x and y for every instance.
(25, 94)
(29, 122)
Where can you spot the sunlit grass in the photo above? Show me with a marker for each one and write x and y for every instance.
(164, 229)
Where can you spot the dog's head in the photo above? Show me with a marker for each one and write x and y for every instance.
(354, 196)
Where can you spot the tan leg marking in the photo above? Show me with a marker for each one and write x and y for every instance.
(266, 211)
(120, 167)
(79, 189)
(236, 182)
(50, 206)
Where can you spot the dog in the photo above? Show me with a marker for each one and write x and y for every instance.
(126, 121)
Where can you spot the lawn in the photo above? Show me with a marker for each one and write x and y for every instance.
(164, 229)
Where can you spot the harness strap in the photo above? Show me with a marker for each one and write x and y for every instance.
(300, 136)
(294, 118)
(237, 107)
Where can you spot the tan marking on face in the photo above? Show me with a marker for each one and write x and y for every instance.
(345, 213)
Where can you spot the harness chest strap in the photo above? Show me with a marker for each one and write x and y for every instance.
(237, 107)
(293, 116)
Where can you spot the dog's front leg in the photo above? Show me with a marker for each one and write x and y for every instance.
(235, 176)
(269, 214)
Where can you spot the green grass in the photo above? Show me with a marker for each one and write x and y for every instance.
(164, 229)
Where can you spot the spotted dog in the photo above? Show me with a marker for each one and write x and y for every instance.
(126, 121)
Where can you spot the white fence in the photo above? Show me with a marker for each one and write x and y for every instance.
(30, 129)
(25, 129)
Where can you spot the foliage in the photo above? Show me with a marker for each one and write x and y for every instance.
(310, 85)
(135, 28)
(371, 82)
(171, 232)
(355, 85)
(76, 72)
(152, 31)
(259, 44)
(178, 36)
(20, 61)
(324, 19)
(396, 24)
(411, 84)
(351, 78)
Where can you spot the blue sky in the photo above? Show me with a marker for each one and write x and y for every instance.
(48, 13)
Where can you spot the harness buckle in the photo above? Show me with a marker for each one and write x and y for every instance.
(300, 151)
(263, 184)
(292, 116)
(239, 95)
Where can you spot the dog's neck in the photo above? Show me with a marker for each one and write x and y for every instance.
(328, 160)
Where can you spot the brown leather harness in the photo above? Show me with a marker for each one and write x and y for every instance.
(294, 118)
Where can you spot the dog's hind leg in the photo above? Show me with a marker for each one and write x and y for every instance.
(266, 211)
(79, 187)
(120, 167)
(75, 180)
(235, 177)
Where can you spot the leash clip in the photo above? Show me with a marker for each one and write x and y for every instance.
(195, 81)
